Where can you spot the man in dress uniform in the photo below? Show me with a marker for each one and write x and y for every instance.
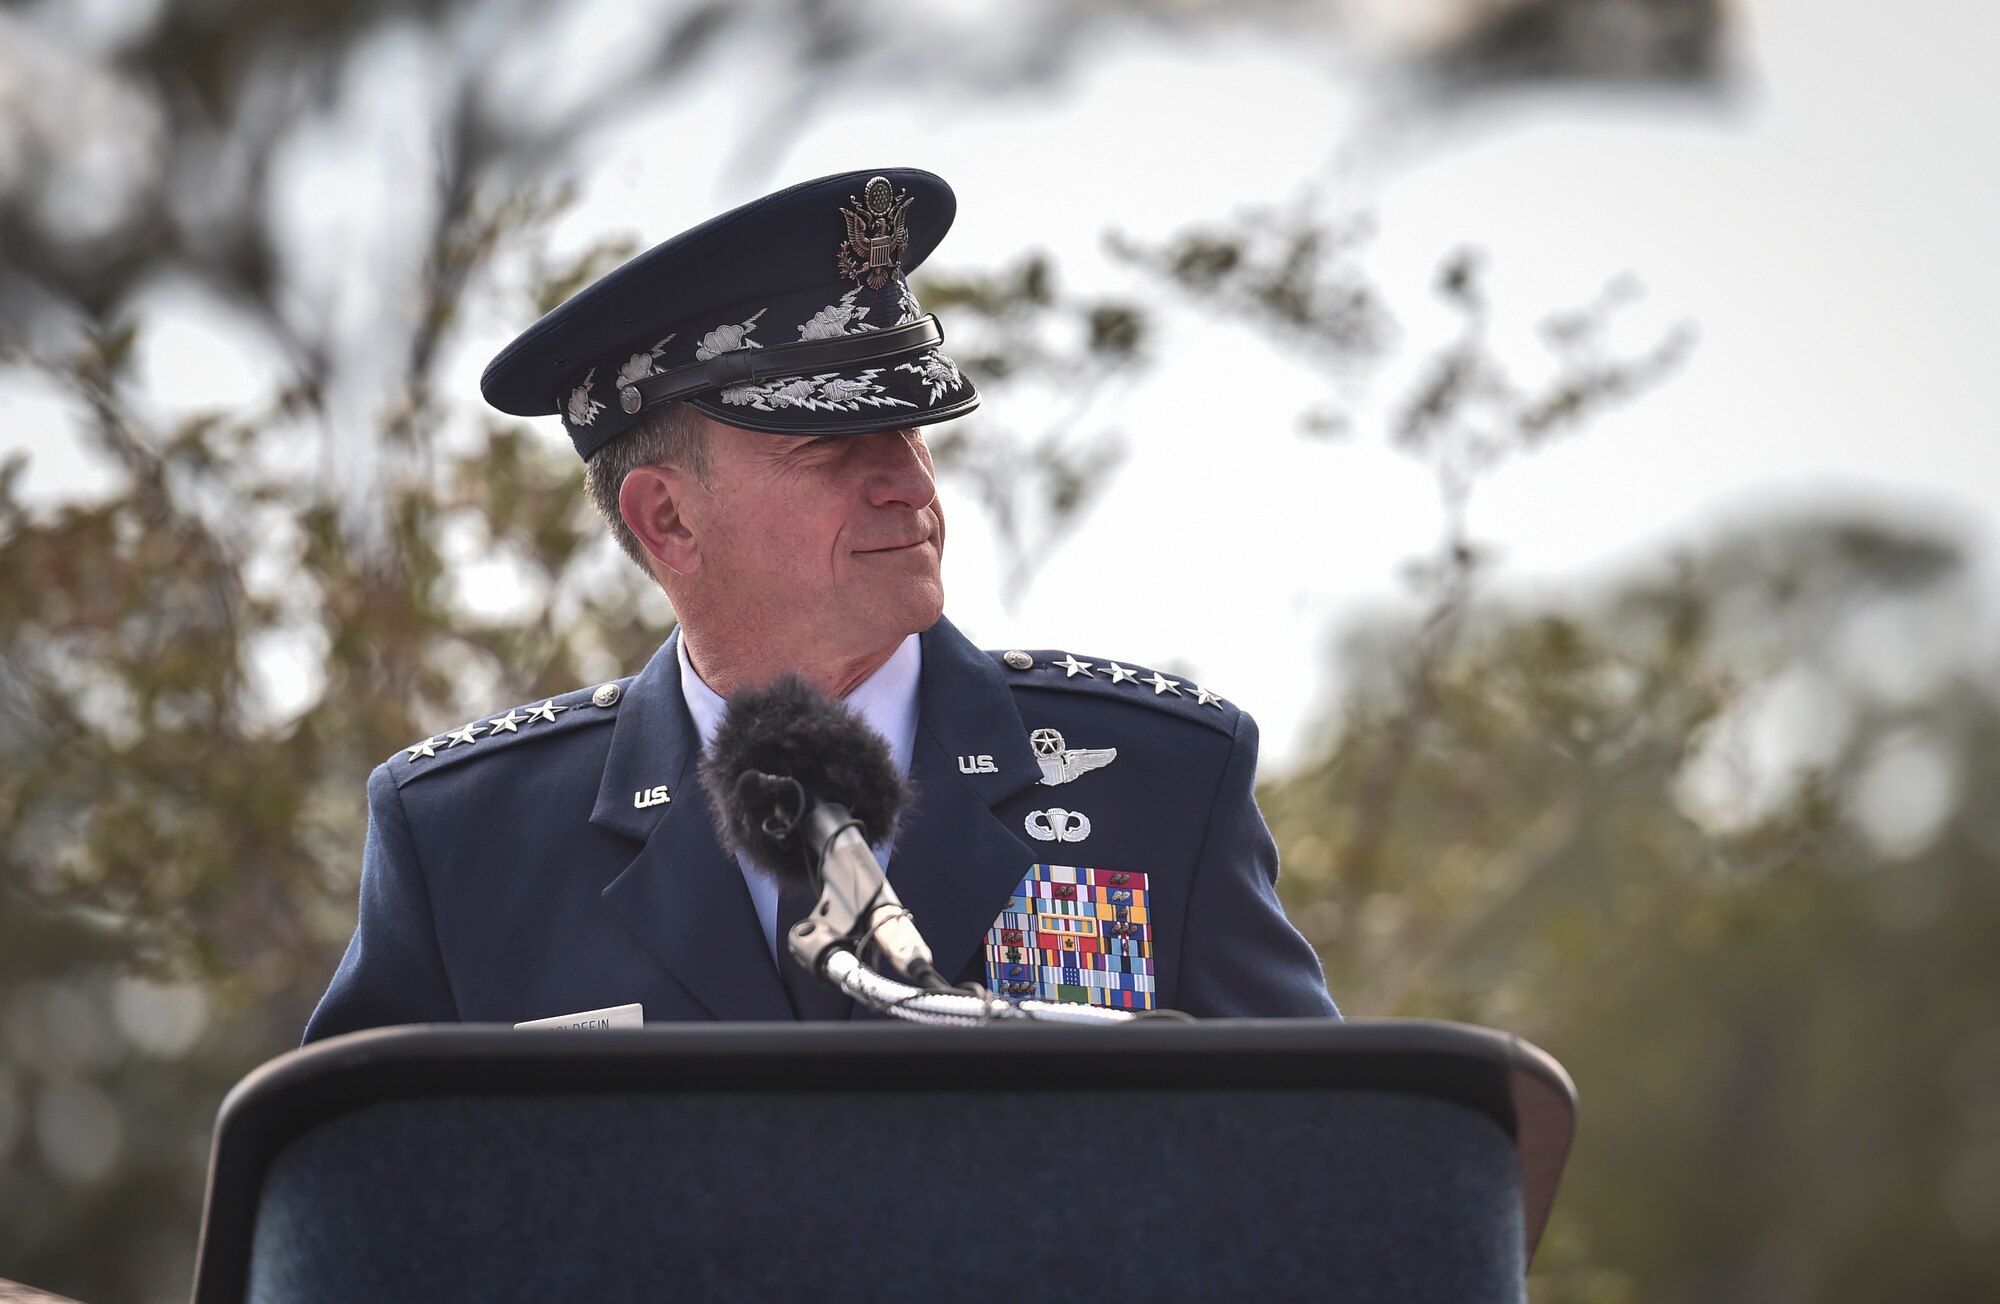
(748, 399)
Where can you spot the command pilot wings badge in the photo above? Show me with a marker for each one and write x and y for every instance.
(877, 233)
(1060, 764)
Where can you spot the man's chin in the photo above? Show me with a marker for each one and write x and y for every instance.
(923, 610)
(910, 604)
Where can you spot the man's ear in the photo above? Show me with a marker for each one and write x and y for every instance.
(653, 500)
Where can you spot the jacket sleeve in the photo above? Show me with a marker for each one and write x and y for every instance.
(1240, 956)
(392, 971)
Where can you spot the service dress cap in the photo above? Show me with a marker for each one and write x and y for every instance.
(789, 315)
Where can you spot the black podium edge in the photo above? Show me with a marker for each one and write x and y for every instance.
(1516, 1084)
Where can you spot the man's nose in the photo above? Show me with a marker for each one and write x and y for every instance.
(898, 470)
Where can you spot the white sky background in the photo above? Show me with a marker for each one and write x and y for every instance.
(1830, 233)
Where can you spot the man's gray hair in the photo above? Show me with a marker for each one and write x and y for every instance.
(676, 435)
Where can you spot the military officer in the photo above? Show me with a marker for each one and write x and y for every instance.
(748, 399)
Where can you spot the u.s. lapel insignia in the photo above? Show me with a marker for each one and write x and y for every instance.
(878, 232)
(1061, 763)
(1075, 934)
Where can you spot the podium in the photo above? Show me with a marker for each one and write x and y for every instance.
(1277, 1159)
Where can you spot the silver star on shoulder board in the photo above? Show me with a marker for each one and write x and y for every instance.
(511, 722)
(1119, 674)
(546, 711)
(428, 747)
(464, 734)
(1072, 667)
(1202, 697)
(1162, 684)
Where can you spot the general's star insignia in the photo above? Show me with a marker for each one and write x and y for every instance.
(511, 722)
(546, 711)
(464, 734)
(1072, 667)
(1202, 697)
(1162, 684)
(428, 747)
(1119, 674)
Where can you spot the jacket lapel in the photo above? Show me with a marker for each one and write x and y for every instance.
(682, 895)
(956, 863)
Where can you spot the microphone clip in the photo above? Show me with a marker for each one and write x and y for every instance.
(857, 907)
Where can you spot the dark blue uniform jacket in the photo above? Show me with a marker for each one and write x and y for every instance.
(531, 869)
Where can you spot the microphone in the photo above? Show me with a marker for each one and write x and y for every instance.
(803, 787)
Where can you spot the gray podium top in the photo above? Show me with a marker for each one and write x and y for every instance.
(1522, 1090)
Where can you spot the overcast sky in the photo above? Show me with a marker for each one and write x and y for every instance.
(1829, 230)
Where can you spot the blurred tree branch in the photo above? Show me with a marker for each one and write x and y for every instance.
(1292, 275)
(1720, 970)
(138, 631)
(1049, 351)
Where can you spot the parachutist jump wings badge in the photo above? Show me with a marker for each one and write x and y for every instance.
(1061, 763)
(877, 233)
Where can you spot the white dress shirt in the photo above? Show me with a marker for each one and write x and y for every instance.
(887, 700)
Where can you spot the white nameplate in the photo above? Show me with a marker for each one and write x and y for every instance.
(611, 1016)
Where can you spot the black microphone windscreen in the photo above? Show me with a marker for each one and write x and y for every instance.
(792, 730)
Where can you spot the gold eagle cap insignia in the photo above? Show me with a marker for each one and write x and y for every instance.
(878, 232)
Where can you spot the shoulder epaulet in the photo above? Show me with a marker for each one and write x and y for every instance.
(494, 734)
(1053, 669)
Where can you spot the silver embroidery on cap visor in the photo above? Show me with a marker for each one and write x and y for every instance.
(641, 365)
(937, 371)
(729, 337)
(833, 321)
(914, 383)
(827, 392)
(583, 409)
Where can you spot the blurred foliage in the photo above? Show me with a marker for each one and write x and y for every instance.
(143, 139)
(1769, 972)
(1293, 274)
(1023, 334)
(1670, 43)
(1772, 975)
(154, 772)
(186, 818)
(1777, 1000)
(199, 666)
(190, 112)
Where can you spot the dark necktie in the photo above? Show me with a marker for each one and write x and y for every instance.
(813, 999)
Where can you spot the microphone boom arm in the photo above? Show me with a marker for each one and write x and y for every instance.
(856, 903)
(857, 907)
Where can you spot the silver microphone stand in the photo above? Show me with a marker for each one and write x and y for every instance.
(957, 1009)
(858, 909)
